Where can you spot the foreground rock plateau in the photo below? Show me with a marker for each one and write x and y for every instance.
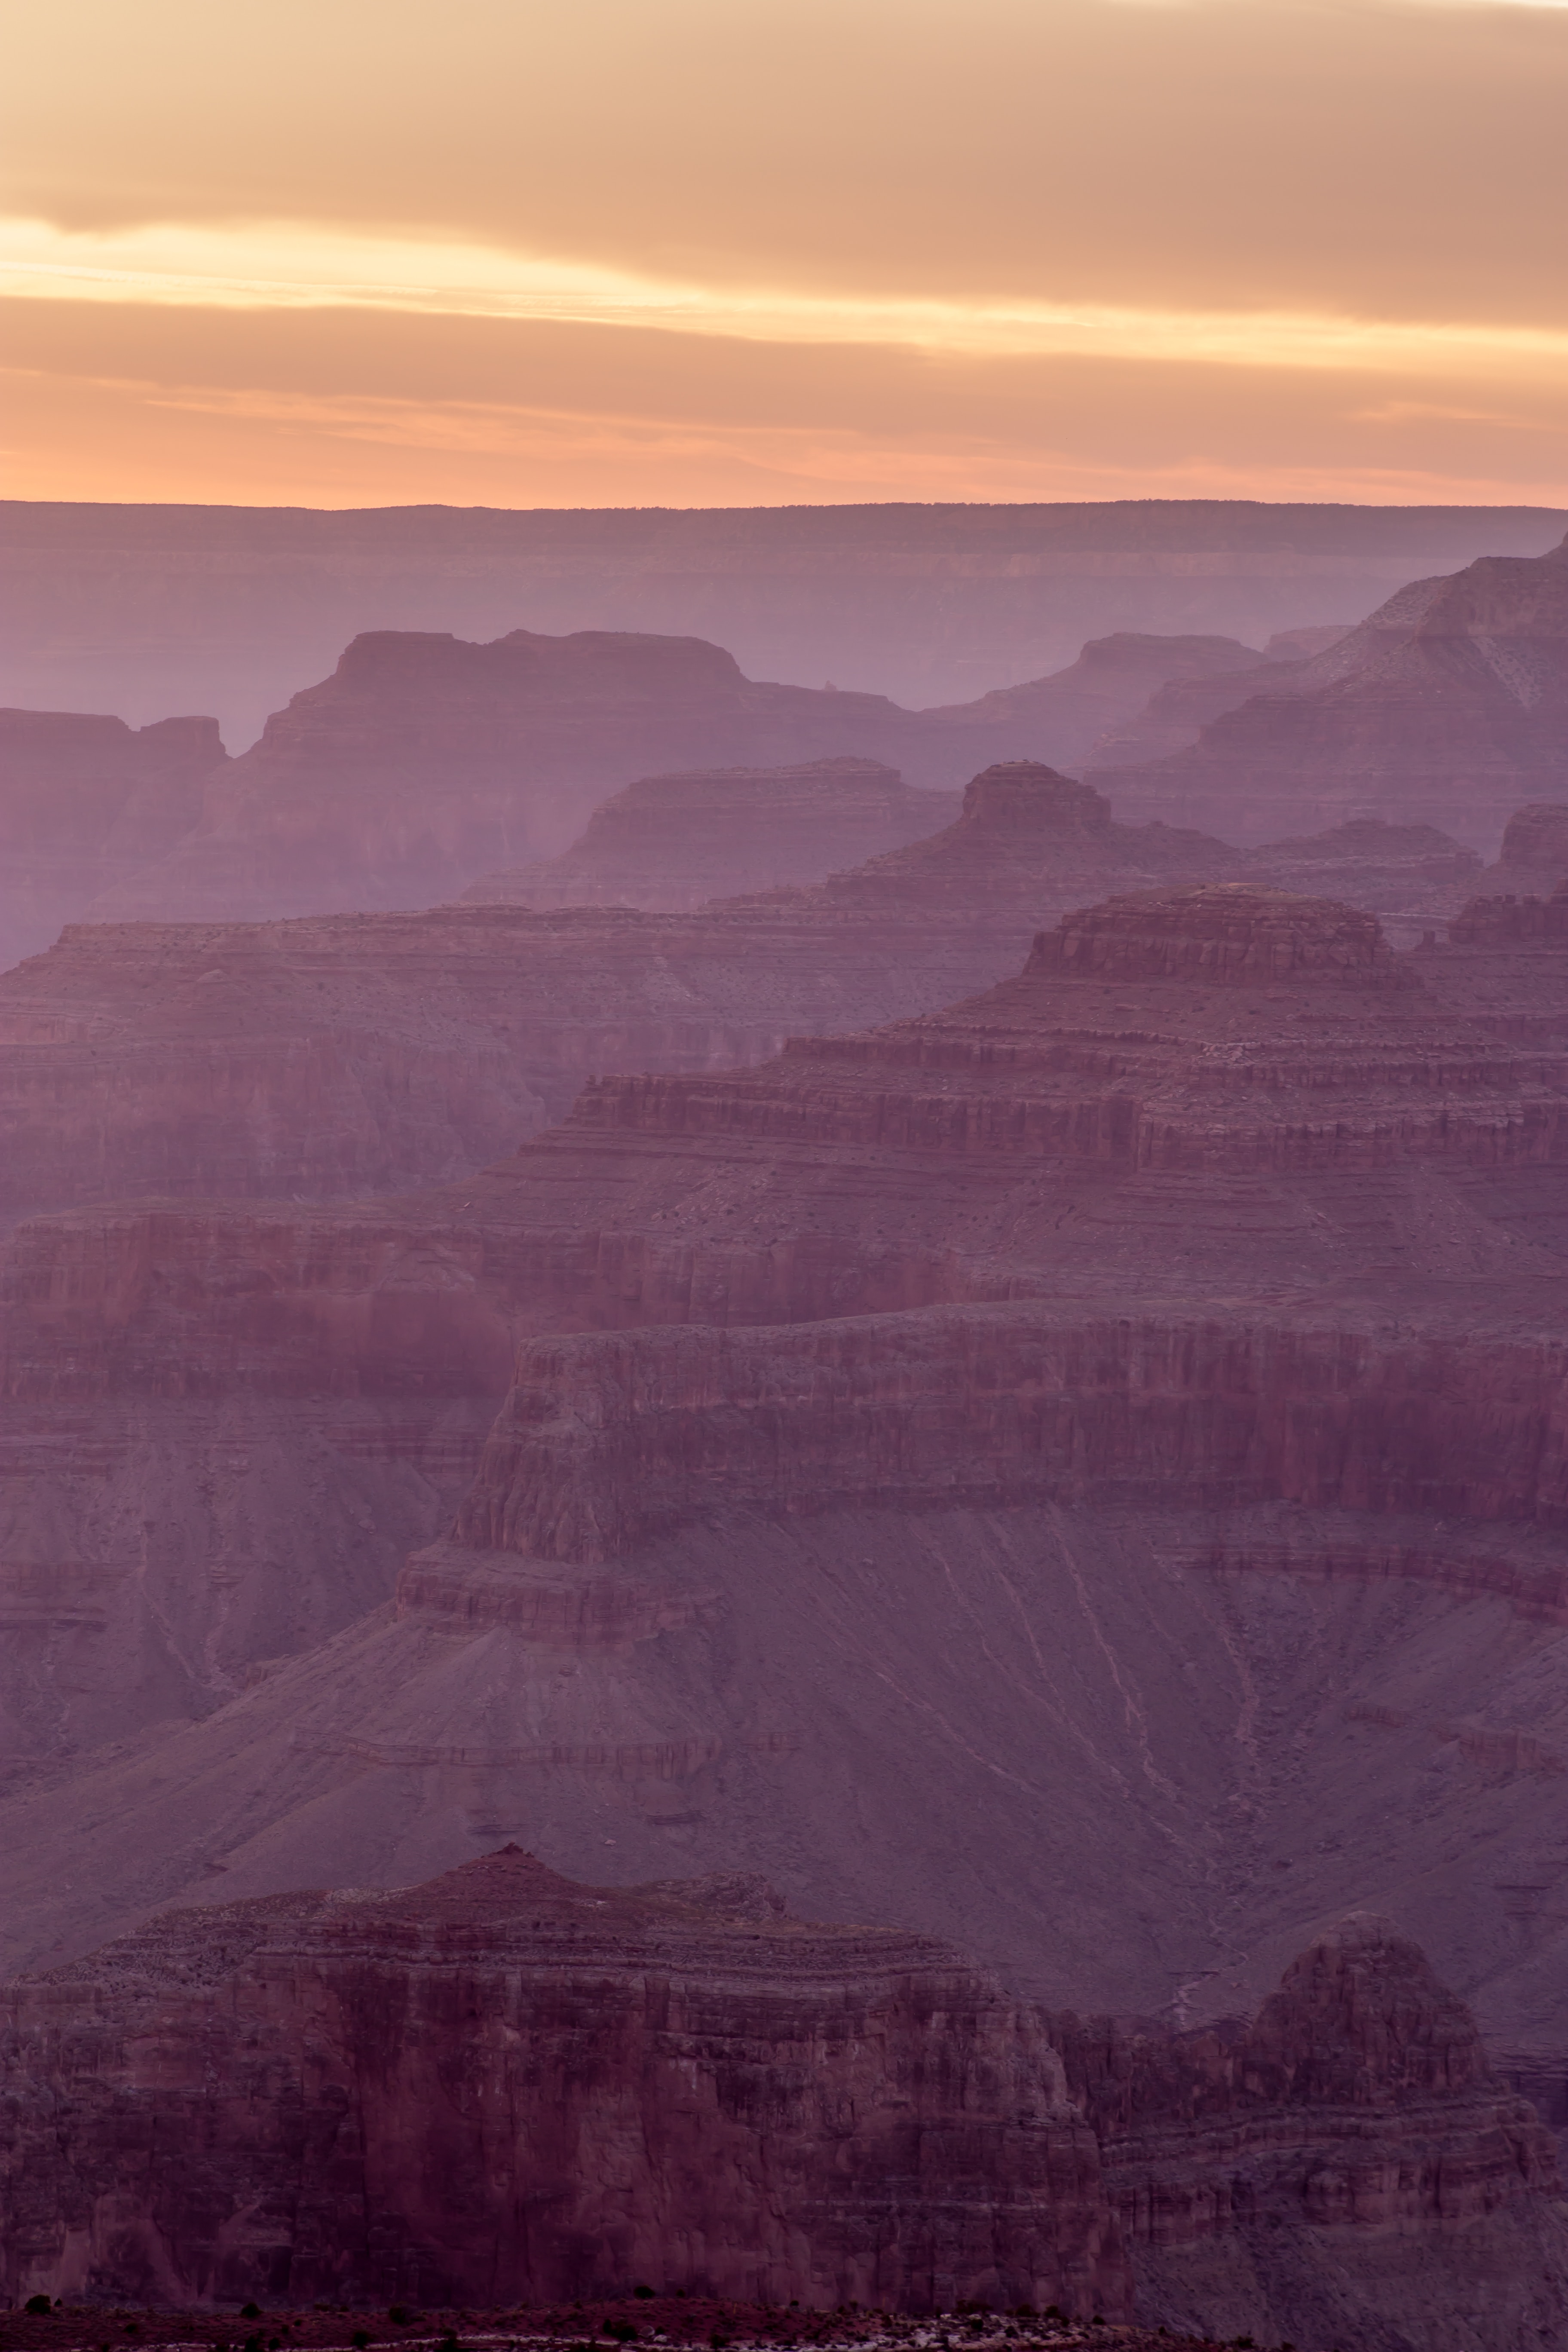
(504, 2086)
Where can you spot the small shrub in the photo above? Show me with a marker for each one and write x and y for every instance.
(359, 2339)
(37, 2304)
(250, 2311)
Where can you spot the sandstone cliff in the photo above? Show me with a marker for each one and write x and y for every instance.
(1113, 1427)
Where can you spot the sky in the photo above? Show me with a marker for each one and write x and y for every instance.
(763, 252)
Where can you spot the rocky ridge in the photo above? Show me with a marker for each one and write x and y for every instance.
(84, 801)
(1446, 707)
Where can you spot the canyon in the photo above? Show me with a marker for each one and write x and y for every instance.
(873, 1479)
(359, 1055)
(1449, 705)
(424, 763)
(148, 609)
(1106, 1436)
(502, 2085)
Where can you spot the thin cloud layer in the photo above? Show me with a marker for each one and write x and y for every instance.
(1370, 191)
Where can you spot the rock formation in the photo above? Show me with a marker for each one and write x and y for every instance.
(1114, 1426)
(1448, 706)
(501, 2085)
(145, 609)
(424, 762)
(1533, 857)
(1342, 2169)
(671, 843)
(83, 802)
(355, 1054)
(1064, 717)
(505, 2086)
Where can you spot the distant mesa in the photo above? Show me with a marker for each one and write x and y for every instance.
(671, 843)
(1233, 935)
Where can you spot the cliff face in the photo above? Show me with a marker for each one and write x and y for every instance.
(506, 2087)
(83, 802)
(1344, 2166)
(1447, 706)
(503, 2086)
(673, 841)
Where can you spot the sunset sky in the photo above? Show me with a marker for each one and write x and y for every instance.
(691, 252)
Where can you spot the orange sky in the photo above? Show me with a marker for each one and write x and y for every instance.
(572, 252)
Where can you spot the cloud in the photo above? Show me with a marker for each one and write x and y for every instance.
(290, 265)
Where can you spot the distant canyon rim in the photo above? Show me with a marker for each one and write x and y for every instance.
(630, 1291)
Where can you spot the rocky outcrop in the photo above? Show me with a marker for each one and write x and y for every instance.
(84, 801)
(360, 2096)
(1411, 876)
(1534, 853)
(671, 843)
(1447, 706)
(1345, 2168)
(505, 2086)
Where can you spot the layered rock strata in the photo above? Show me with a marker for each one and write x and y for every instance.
(355, 1054)
(1343, 2168)
(504, 2086)
(1113, 1427)
(671, 843)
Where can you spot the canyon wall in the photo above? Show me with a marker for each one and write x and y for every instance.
(503, 2086)
(1446, 707)
(674, 842)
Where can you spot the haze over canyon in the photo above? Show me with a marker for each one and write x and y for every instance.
(787, 1462)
